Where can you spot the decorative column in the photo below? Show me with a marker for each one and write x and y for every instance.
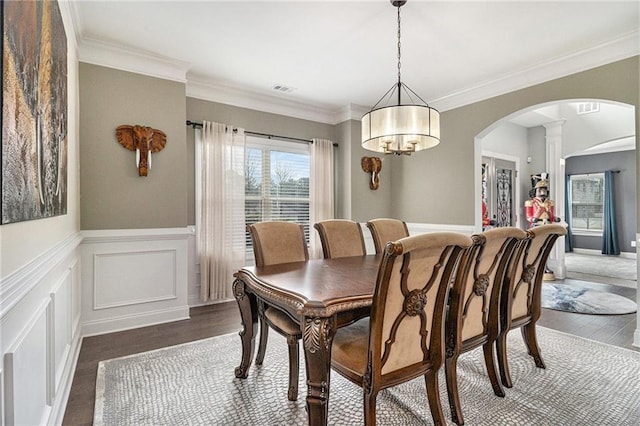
(555, 168)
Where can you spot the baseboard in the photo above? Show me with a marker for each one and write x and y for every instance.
(195, 301)
(129, 322)
(592, 252)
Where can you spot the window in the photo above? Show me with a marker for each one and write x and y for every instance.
(276, 183)
(587, 203)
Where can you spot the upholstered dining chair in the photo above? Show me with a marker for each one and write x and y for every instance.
(343, 238)
(384, 230)
(521, 293)
(340, 238)
(403, 339)
(473, 319)
(275, 243)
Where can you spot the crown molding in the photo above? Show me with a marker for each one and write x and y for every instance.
(236, 96)
(620, 48)
(109, 55)
(352, 112)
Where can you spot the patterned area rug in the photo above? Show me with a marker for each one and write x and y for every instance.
(580, 297)
(585, 382)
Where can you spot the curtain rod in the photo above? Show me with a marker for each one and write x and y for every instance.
(593, 173)
(263, 135)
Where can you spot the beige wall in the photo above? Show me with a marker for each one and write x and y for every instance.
(366, 203)
(22, 242)
(433, 186)
(113, 195)
(437, 185)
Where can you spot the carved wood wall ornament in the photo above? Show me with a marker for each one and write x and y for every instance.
(143, 140)
(372, 165)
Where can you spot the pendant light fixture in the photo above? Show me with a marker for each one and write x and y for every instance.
(400, 129)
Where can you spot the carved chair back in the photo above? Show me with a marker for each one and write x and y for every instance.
(474, 305)
(404, 337)
(409, 300)
(522, 290)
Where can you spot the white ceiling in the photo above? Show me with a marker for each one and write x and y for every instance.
(341, 55)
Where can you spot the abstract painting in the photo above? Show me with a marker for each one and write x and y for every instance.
(34, 111)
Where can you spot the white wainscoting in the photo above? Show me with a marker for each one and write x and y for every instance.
(40, 329)
(134, 278)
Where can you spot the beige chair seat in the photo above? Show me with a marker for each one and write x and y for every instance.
(282, 321)
(350, 345)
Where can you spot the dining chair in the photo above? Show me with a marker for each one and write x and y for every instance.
(473, 319)
(343, 238)
(403, 338)
(274, 243)
(521, 293)
(384, 230)
(340, 238)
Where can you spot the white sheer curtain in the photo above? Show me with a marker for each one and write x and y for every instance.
(320, 191)
(220, 224)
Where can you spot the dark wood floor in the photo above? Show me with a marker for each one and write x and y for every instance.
(615, 330)
(224, 318)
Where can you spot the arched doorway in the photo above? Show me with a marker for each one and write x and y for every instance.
(541, 137)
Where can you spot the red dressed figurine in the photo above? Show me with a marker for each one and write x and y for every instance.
(540, 209)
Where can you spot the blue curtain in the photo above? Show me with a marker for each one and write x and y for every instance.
(609, 234)
(568, 240)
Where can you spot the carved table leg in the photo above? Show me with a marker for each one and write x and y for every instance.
(248, 314)
(317, 337)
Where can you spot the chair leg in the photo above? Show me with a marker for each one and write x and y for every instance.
(489, 360)
(370, 408)
(294, 370)
(531, 340)
(451, 375)
(264, 336)
(433, 394)
(503, 363)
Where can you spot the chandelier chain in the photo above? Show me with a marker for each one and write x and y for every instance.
(399, 45)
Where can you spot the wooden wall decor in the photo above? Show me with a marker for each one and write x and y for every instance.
(34, 111)
(143, 140)
(372, 165)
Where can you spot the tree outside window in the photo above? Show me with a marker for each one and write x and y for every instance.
(277, 184)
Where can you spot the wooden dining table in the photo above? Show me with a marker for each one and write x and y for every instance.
(321, 295)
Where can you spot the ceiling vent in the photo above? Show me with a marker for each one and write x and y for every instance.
(588, 107)
(282, 88)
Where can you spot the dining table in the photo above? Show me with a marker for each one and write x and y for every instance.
(321, 295)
